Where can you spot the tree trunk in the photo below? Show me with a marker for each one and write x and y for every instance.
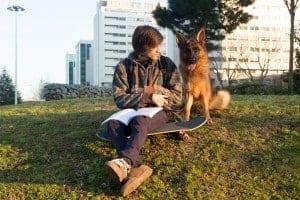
(291, 63)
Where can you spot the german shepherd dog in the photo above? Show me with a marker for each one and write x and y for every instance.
(194, 69)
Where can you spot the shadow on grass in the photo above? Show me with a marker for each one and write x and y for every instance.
(55, 149)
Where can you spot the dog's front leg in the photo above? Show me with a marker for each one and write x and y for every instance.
(188, 106)
(205, 107)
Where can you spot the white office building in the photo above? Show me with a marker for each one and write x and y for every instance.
(114, 24)
(261, 45)
(84, 63)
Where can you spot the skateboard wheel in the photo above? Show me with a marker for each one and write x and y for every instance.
(185, 137)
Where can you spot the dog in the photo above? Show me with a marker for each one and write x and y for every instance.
(194, 69)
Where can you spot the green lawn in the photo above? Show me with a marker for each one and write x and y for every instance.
(48, 150)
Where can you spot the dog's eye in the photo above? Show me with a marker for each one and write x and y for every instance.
(196, 49)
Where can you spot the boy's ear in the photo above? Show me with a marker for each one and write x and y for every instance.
(201, 36)
(180, 39)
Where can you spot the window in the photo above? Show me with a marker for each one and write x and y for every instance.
(115, 18)
(254, 28)
(115, 26)
(232, 48)
(116, 34)
(115, 50)
(254, 49)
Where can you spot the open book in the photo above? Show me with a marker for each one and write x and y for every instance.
(127, 114)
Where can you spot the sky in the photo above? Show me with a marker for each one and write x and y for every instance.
(47, 31)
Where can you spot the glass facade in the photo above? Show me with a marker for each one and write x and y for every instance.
(85, 50)
(71, 72)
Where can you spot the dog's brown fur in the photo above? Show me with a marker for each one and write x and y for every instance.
(194, 69)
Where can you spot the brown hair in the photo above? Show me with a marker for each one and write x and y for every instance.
(145, 37)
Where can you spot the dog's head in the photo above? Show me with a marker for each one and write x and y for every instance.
(190, 50)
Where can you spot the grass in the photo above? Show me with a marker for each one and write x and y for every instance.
(48, 150)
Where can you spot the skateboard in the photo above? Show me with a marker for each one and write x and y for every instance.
(173, 127)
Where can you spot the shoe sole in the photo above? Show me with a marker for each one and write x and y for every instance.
(136, 183)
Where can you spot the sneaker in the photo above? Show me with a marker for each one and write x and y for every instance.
(118, 169)
(135, 178)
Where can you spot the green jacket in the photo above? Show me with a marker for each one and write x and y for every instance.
(133, 83)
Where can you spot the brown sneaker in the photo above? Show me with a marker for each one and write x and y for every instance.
(135, 178)
(118, 169)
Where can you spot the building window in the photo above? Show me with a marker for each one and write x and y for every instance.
(115, 43)
(112, 58)
(115, 26)
(254, 28)
(116, 34)
(232, 48)
(255, 49)
(115, 50)
(115, 18)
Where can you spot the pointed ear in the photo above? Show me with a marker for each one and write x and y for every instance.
(180, 39)
(201, 36)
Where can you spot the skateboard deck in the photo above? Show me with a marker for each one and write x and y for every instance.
(172, 127)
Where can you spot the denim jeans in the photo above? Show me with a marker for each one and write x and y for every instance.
(130, 147)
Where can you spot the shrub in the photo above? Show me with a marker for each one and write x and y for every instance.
(7, 89)
(54, 91)
(256, 88)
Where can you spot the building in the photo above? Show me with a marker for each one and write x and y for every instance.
(70, 68)
(114, 24)
(84, 65)
(258, 50)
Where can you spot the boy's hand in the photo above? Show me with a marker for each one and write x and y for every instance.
(160, 100)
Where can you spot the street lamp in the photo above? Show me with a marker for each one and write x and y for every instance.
(16, 9)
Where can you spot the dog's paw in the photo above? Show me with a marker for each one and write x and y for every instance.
(209, 121)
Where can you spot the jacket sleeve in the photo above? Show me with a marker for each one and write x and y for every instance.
(122, 94)
(172, 87)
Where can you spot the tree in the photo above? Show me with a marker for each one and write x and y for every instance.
(292, 6)
(296, 72)
(188, 16)
(7, 89)
(297, 56)
(263, 57)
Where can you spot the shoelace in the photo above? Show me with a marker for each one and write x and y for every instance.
(122, 163)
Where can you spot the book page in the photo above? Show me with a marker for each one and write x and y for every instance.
(126, 115)
(122, 115)
(149, 111)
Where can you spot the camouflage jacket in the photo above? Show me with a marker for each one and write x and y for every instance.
(133, 83)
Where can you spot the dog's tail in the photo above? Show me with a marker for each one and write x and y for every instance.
(220, 100)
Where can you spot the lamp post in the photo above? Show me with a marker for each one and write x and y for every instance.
(16, 9)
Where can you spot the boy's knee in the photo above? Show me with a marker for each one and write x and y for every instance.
(113, 124)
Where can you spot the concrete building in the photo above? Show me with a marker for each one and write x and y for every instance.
(114, 24)
(259, 49)
(70, 68)
(84, 65)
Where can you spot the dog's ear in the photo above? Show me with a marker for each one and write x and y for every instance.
(201, 36)
(180, 39)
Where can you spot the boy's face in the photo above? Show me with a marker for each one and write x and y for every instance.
(154, 53)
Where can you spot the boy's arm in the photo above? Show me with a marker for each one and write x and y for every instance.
(123, 96)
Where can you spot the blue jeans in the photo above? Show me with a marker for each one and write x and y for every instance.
(130, 147)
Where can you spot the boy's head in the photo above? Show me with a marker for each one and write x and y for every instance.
(146, 38)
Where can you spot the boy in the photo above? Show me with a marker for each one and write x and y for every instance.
(144, 79)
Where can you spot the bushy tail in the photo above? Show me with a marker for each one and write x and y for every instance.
(219, 100)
